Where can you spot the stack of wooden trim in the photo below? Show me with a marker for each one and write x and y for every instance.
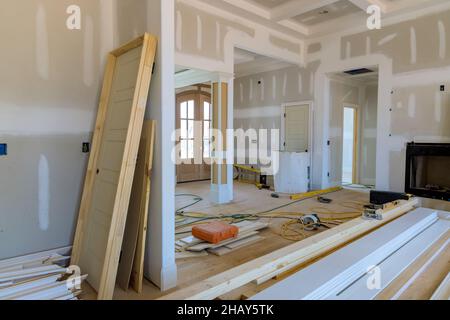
(40, 276)
(192, 247)
(345, 273)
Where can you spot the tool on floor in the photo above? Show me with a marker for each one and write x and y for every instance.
(324, 200)
(383, 197)
(215, 232)
(312, 194)
(275, 195)
(311, 222)
(381, 201)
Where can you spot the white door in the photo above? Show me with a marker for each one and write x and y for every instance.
(296, 128)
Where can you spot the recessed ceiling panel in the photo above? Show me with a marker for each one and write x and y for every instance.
(270, 4)
(335, 10)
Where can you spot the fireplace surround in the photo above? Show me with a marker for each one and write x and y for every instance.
(428, 170)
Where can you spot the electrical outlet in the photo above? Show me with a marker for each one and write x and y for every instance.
(3, 149)
(442, 88)
(86, 147)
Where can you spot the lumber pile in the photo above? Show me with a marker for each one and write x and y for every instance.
(192, 247)
(40, 276)
(347, 273)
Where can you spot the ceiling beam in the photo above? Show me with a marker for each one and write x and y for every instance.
(364, 4)
(295, 8)
(231, 10)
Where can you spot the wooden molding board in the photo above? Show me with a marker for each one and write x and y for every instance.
(443, 292)
(294, 254)
(235, 245)
(110, 173)
(136, 225)
(328, 277)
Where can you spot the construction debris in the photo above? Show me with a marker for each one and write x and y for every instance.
(248, 234)
(41, 276)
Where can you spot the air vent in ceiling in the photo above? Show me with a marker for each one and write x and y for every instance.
(355, 72)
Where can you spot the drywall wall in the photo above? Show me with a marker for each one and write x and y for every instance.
(258, 98)
(50, 83)
(206, 36)
(414, 61)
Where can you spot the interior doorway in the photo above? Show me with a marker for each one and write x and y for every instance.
(353, 127)
(350, 144)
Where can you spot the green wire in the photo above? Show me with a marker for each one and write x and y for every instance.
(196, 200)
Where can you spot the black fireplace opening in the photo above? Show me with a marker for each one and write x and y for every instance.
(428, 170)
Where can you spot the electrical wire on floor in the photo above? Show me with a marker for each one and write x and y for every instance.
(196, 199)
(293, 229)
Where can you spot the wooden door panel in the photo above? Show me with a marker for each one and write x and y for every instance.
(297, 128)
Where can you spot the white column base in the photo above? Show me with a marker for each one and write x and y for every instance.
(167, 277)
(220, 193)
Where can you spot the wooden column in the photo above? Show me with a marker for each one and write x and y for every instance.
(220, 121)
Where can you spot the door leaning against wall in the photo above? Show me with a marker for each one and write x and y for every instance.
(193, 119)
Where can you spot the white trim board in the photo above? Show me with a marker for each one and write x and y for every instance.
(340, 269)
(27, 286)
(34, 257)
(392, 267)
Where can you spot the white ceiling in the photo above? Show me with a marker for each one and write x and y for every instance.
(309, 18)
(326, 13)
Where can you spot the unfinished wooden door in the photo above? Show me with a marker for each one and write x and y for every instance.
(193, 119)
(109, 179)
(296, 126)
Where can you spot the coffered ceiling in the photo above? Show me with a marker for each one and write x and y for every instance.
(309, 18)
